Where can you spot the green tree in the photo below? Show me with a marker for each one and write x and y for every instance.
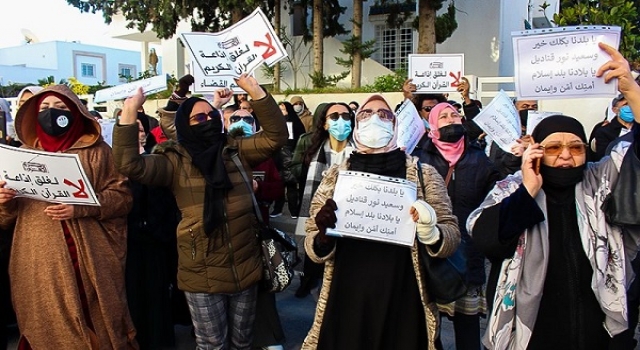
(623, 13)
(164, 15)
(432, 29)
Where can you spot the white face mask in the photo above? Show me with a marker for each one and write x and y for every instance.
(374, 133)
(298, 108)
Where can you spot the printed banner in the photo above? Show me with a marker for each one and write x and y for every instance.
(501, 121)
(238, 49)
(410, 126)
(374, 207)
(149, 86)
(46, 176)
(437, 73)
(562, 62)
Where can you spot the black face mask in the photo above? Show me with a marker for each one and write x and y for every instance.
(524, 116)
(451, 133)
(561, 177)
(55, 122)
(207, 131)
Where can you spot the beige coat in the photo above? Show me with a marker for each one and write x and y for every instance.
(43, 283)
(436, 196)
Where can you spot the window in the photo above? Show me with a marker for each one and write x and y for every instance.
(394, 45)
(126, 71)
(88, 70)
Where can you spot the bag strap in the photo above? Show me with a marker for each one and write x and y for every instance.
(238, 163)
(448, 177)
(421, 178)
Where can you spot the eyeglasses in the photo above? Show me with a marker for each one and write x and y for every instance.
(383, 114)
(202, 117)
(237, 118)
(336, 115)
(427, 108)
(555, 148)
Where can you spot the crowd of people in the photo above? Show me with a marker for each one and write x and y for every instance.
(174, 238)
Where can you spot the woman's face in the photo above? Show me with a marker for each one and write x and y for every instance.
(200, 113)
(25, 96)
(449, 116)
(563, 150)
(53, 101)
(340, 109)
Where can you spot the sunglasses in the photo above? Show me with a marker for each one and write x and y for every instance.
(336, 116)
(427, 108)
(203, 117)
(237, 118)
(384, 114)
(555, 148)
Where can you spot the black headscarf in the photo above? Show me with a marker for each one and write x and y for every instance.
(558, 123)
(559, 183)
(206, 156)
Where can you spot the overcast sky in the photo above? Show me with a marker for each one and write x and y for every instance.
(51, 20)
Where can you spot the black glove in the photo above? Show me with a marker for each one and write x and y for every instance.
(326, 218)
(183, 85)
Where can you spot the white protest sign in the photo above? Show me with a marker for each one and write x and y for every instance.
(107, 129)
(238, 49)
(562, 62)
(46, 176)
(437, 73)
(410, 126)
(374, 207)
(501, 121)
(211, 84)
(535, 117)
(149, 86)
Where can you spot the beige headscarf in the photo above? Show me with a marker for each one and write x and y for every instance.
(393, 143)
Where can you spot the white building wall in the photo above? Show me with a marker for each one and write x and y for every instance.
(62, 60)
(39, 55)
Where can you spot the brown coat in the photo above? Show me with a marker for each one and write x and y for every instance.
(229, 261)
(436, 196)
(43, 282)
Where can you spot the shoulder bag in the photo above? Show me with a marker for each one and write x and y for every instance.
(279, 251)
(445, 277)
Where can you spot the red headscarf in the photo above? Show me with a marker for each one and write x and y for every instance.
(65, 141)
(450, 151)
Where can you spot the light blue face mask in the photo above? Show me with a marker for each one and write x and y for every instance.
(340, 129)
(246, 127)
(426, 124)
(625, 114)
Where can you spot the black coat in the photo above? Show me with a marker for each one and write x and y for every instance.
(474, 175)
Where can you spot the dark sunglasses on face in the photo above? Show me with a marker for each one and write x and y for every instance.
(202, 117)
(555, 148)
(427, 108)
(237, 118)
(336, 115)
(384, 114)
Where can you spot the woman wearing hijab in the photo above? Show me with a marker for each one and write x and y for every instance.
(26, 94)
(67, 261)
(373, 294)
(560, 271)
(330, 144)
(283, 162)
(219, 262)
(469, 175)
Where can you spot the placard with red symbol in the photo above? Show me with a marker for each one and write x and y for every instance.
(236, 50)
(437, 73)
(46, 176)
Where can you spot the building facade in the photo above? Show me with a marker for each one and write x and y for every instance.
(89, 64)
(483, 35)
